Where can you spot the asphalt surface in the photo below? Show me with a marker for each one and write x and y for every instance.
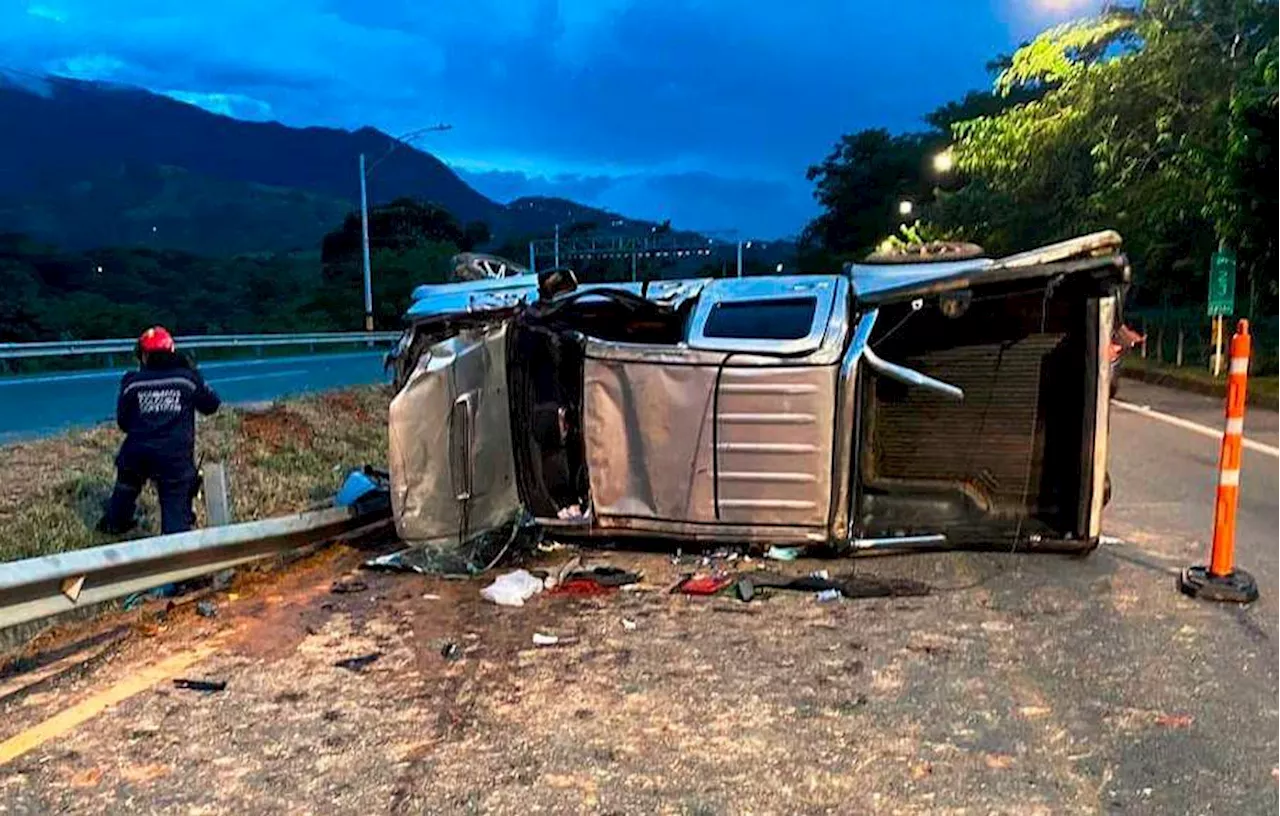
(39, 405)
(1023, 684)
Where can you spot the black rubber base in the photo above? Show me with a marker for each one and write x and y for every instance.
(1238, 587)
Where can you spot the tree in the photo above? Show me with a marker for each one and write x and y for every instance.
(1157, 120)
(475, 235)
(860, 185)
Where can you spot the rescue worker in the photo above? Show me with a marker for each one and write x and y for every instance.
(156, 410)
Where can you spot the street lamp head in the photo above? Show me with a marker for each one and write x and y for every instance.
(905, 207)
(944, 161)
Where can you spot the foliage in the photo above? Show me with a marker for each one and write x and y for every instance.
(53, 294)
(410, 244)
(860, 184)
(1158, 120)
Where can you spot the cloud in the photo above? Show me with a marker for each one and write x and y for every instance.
(700, 95)
(236, 105)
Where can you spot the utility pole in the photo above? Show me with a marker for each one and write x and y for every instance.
(364, 213)
(739, 258)
(557, 256)
(364, 237)
(533, 259)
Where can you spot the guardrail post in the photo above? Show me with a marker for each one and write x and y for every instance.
(217, 497)
(1221, 581)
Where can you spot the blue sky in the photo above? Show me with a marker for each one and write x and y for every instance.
(707, 112)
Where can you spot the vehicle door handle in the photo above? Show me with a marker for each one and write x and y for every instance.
(909, 376)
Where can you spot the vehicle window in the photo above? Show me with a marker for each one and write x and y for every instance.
(784, 319)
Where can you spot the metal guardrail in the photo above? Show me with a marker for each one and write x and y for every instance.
(39, 587)
(70, 348)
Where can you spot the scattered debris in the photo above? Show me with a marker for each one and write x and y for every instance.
(828, 595)
(703, 584)
(512, 589)
(451, 651)
(921, 770)
(222, 580)
(199, 685)
(783, 553)
(543, 639)
(1031, 712)
(823, 574)
(850, 586)
(581, 588)
(606, 576)
(348, 587)
(206, 609)
(999, 762)
(1175, 720)
(358, 664)
(571, 513)
(629, 625)
(430, 597)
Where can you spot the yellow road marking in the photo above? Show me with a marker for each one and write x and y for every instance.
(87, 709)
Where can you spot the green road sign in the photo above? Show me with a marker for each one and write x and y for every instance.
(1222, 283)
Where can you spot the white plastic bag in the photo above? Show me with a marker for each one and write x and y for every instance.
(512, 589)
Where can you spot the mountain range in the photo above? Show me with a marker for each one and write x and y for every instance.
(90, 164)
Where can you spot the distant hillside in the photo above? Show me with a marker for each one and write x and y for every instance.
(541, 214)
(162, 207)
(89, 164)
(62, 139)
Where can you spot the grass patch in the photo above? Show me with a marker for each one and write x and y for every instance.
(279, 461)
(1263, 391)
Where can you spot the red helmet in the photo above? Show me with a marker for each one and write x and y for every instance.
(156, 338)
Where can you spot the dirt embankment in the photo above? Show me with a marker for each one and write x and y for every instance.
(279, 459)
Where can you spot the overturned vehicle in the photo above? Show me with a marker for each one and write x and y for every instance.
(950, 403)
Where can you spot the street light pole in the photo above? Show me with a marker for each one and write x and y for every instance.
(364, 213)
(739, 258)
(364, 237)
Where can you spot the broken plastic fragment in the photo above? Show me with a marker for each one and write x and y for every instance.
(539, 639)
(783, 553)
(512, 589)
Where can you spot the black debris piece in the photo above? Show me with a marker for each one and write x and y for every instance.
(850, 586)
(606, 576)
(451, 651)
(206, 609)
(199, 685)
(358, 664)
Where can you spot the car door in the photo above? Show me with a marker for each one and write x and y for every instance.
(450, 452)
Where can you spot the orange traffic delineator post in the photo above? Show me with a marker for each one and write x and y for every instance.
(1221, 581)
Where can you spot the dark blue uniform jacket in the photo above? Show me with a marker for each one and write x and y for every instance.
(156, 410)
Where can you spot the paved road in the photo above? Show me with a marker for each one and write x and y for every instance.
(1024, 685)
(42, 404)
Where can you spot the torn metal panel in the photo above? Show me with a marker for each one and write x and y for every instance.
(648, 430)
(452, 471)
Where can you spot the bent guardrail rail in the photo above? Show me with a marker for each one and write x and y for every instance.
(48, 585)
(71, 348)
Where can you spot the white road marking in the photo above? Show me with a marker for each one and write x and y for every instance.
(269, 374)
(1194, 427)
